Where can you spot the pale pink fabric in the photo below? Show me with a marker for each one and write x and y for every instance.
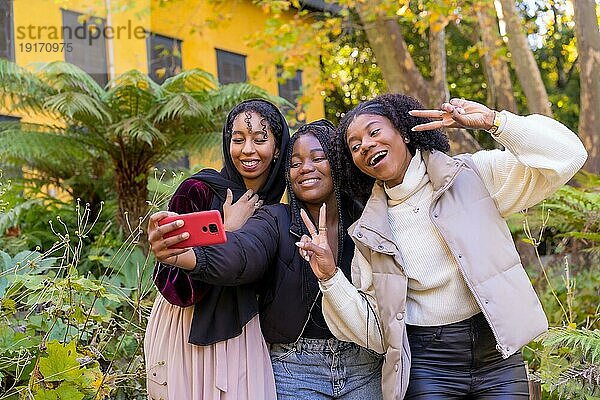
(235, 369)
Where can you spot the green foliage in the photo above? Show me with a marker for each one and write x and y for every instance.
(569, 220)
(74, 310)
(570, 363)
(565, 359)
(63, 326)
(4, 187)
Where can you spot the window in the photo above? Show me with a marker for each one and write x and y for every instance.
(164, 57)
(7, 38)
(231, 67)
(9, 118)
(89, 44)
(289, 89)
(181, 164)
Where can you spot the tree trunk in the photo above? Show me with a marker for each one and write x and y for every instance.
(437, 55)
(397, 66)
(523, 61)
(461, 141)
(132, 193)
(401, 73)
(588, 47)
(500, 89)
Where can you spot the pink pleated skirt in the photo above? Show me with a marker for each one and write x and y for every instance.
(235, 369)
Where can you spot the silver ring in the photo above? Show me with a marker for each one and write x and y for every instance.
(256, 205)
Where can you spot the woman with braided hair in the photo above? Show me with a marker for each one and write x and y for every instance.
(308, 361)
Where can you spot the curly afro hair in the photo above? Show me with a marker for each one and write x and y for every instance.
(271, 118)
(394, 107)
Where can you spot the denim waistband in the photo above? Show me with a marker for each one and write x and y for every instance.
(316, 345)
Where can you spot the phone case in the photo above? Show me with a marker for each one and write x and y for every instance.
(205, 228)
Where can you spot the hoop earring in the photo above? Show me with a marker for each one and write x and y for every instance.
(406, 139)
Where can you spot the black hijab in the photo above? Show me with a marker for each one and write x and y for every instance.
(230, 178)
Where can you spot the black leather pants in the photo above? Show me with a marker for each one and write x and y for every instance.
(460, 361)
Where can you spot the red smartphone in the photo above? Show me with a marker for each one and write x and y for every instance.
(205, 228)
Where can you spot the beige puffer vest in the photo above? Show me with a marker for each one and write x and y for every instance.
(467, 218)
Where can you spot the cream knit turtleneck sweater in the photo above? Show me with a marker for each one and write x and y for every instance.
(541, 155)
(437, 293)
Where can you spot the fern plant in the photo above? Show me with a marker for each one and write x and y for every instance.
(571, 363)
(87, 134)
(575, 211)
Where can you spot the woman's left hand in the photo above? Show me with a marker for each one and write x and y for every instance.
(315, 249)
(458, 113)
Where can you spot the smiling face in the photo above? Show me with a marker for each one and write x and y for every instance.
(378, 149)
(252, 148)
(310, 172)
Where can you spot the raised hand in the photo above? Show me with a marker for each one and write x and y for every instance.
(315, 249)
(458, 113)
(159, 244)
(235, 215)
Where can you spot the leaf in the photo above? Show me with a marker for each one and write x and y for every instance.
(67, 391)
(46, 395)
(61, 362)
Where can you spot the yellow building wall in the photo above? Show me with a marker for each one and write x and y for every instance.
(201, 26)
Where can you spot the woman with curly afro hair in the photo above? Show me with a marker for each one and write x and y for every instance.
(437, 284)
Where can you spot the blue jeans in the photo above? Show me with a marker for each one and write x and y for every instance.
(315, 369)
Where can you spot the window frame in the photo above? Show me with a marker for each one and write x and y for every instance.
(149, 52)
(10, 30)
(78, 44)
(224, 55)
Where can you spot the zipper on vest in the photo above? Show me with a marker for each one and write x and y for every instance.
(457, 258)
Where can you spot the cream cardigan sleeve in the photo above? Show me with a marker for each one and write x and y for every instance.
(541, 155)
(351, 313)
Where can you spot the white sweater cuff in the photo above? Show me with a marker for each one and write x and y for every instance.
(339, 291)
(325, 285)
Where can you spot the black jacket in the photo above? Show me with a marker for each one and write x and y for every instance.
(286, 285)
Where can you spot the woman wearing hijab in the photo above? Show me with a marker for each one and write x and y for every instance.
(308, 361)
(203, 339)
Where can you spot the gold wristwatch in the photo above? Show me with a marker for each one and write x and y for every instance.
(495, 124)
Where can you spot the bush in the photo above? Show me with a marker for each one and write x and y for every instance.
(74, 310)
(564, 232)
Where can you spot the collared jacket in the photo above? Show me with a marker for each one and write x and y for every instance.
(541, 154)
(466, 216)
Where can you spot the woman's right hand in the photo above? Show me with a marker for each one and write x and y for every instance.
(457, 113)
(315, 249)
(161, 246)
(235, 215)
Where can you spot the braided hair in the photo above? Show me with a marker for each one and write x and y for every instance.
(395, 108)
(323, 131)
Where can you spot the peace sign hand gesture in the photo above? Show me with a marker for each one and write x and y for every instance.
(315, 249)
(458, 113)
